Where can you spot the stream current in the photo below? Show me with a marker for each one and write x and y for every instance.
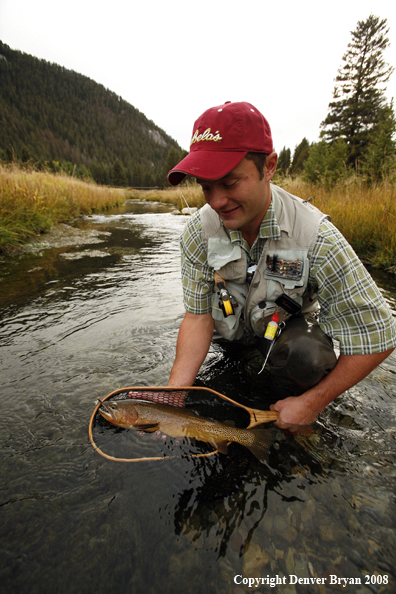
(96, 306)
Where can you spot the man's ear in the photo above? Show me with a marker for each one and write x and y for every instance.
(270, 166)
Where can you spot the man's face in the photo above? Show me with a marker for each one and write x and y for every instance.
(241, 198)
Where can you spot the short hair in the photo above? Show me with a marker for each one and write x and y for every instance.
(259, 159)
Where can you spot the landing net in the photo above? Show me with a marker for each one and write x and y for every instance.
(203, 401)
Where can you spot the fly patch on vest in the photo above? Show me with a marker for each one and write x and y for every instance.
(288, 268)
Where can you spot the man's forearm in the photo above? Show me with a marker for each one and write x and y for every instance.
(193, 342)
(299, 411)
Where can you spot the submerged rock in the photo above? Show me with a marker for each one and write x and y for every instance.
(83, 254)
(66, 236)
(284, 529)
(254, 559)
(189, 211)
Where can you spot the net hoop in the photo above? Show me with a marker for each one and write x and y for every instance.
(254, 416)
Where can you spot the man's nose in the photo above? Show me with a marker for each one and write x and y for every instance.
(217, 198)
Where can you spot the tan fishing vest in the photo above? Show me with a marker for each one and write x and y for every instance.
(283, 267)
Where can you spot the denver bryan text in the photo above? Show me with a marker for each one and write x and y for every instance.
(293, 579)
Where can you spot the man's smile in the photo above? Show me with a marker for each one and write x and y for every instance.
(229, 211)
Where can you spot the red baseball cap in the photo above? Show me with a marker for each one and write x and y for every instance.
(222, 136)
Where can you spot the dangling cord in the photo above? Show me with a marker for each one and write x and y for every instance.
(277, 333)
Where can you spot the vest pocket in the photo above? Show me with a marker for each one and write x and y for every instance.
(228, 327)
(259, 317)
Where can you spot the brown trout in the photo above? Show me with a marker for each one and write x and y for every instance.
(176, 422)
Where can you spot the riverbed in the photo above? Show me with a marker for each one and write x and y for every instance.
(96, 306)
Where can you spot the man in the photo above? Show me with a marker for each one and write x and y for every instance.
(300, 260)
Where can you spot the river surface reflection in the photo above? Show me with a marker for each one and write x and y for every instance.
(99, 309)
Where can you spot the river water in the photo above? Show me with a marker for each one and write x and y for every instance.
(96, 308)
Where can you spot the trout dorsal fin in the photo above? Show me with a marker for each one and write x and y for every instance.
(229, 423)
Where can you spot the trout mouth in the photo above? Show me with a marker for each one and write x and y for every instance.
(106, 411)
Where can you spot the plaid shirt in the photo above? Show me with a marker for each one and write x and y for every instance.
(352, 309)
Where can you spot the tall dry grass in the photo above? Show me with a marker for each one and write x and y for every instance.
(32, 202)
(365, 215)
(179, 196)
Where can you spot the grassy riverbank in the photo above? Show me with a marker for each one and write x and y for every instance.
(365, 215)
(33, 202)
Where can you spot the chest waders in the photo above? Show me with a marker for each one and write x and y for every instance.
(302, 354)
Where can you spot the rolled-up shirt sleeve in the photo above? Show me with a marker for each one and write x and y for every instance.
(352, 309)
(197, 275)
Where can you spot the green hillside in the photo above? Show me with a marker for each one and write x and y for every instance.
(57, 118)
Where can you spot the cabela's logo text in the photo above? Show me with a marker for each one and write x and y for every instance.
(207, 135)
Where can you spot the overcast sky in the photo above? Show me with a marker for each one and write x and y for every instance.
(172, 59)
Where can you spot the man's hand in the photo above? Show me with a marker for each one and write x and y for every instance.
(294, 415)
(297, 413)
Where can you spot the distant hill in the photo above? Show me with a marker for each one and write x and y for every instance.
(60, 119)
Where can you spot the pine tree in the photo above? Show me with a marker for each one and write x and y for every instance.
(380, 154)
(284, 160)
(118, 176)
(137, 180)
(301, 153)
(359, 92)
(326, 163)
(25, 154)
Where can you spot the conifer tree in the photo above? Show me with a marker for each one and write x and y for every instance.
(380, 154)
(172, 159)
(326, 163)
(284, 160)
(301, 153)
(118, 176)
(25, 154)
(137, 179)
(359, 92)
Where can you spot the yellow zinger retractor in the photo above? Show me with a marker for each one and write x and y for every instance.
(225, 298)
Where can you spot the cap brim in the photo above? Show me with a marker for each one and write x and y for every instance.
(205, 165)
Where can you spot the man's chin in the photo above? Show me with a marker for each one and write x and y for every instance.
(231, 221)
(230, 224)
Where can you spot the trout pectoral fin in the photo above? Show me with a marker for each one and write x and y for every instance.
(221, 446)
(147, 428)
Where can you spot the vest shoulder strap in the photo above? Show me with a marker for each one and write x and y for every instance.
(298, 220)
